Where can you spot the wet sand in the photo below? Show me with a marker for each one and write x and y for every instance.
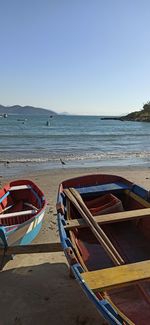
(36, 288)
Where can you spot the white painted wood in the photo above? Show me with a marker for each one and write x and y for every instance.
(18, 213)
(19, 187)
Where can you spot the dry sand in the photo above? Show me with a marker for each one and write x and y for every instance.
(36, 288)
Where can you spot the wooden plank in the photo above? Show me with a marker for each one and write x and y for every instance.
(4, 196)
(120, 313)
(30, 249)
(15, 214)
(107, 241)
(117, 262)
(30, 205)
(110, 218)
(113, 277)
(20, 187)
(97, 231)
(7, 208)
(73, 241)
(138, 198)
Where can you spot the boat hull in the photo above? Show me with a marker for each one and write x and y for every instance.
(77, 247)
(21, 230)
(25, 234)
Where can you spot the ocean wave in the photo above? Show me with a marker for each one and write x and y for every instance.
(69, 135)
(102, 156)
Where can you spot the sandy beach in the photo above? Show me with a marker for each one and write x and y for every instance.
(36, 288)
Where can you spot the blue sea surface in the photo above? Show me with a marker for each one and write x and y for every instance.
(78, 140)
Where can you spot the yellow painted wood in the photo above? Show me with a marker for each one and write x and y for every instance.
(138, 198)
(110, 218)
(73, 239)
(113, 277)
(113, 251)
(122, 315)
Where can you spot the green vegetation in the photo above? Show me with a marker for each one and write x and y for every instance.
(141, 116)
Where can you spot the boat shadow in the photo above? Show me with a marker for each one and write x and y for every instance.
(44, 294)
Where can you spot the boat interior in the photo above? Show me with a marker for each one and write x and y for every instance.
(130, 236)
(18, 204)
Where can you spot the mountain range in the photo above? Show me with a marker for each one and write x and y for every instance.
(25, 110)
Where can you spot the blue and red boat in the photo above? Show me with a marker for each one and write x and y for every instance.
(22, 208)
(104, 228)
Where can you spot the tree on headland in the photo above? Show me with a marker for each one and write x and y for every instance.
(146, 107)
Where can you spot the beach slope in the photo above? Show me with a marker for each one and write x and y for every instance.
(36, 288)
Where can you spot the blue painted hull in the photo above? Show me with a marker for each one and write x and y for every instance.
(24, 234)
(28, 238)
(103, 306)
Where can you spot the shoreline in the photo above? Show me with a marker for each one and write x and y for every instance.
(13, 169)
(44, 293)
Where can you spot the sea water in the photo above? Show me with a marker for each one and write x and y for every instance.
(80, 141)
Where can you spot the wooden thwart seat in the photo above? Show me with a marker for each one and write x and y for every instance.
(20, 187)
(117, 276)
(110, 218)
(15, 214)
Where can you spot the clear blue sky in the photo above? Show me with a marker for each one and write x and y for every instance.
(80, 56)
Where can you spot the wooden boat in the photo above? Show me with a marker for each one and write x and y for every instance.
(22, 208)
(104, 227)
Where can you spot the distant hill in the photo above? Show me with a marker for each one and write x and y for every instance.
(25, 110)
(140, 116)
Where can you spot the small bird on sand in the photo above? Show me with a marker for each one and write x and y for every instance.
(62, 162)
